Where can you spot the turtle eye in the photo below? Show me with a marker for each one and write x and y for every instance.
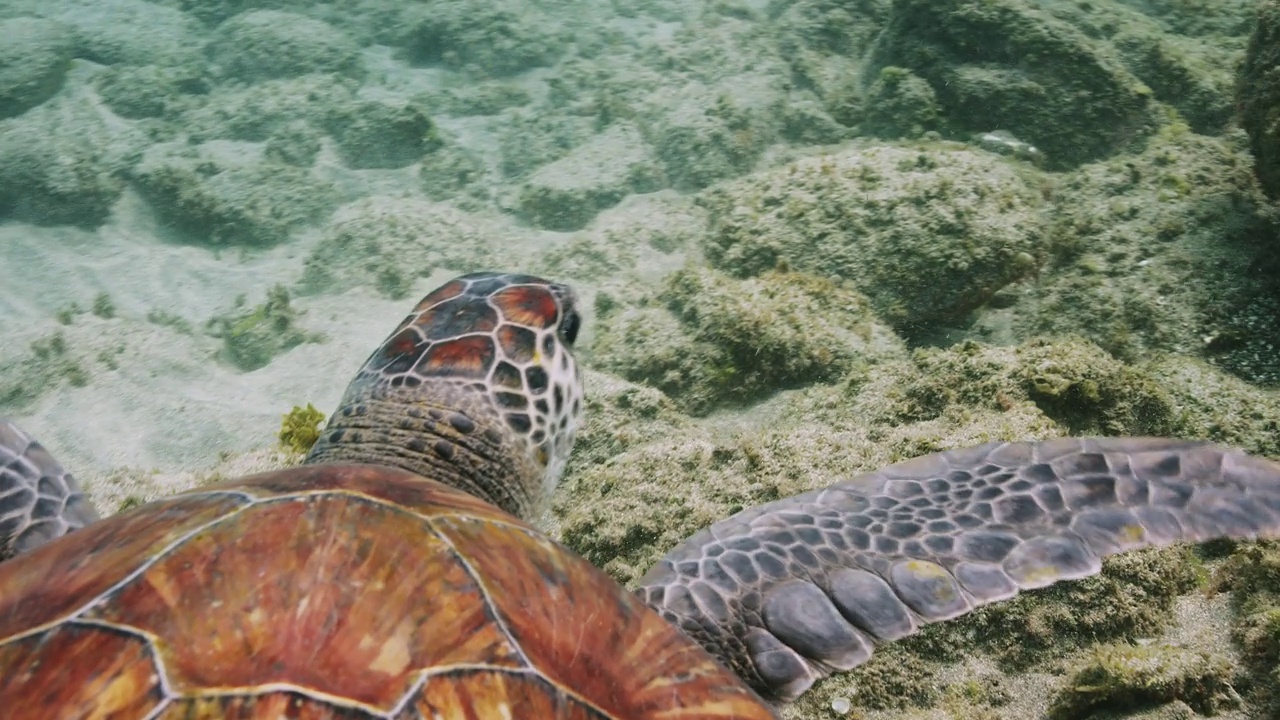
(569, 327)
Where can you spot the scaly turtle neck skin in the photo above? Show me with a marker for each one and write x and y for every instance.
(476, 389)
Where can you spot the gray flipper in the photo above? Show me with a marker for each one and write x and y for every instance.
(791, 591)
(39, 501)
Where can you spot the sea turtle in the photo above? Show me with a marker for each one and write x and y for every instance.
(394, 574)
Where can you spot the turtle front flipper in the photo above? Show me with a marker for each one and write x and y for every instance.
(791, 591)
(39, 501)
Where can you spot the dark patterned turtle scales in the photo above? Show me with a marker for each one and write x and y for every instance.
(394, 575)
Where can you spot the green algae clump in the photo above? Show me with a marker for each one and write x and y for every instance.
(1252, 573)
(300, 428)
(1127, 676)
(252, 339)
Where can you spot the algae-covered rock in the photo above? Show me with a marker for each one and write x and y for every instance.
(927, 234)
(296, 144)
(1008, 64)
(1258, 95)
(900, 104)
(61, 163)
(1219, 406)
(528, 140)
(1192, 76)
(1088, 392)
(34, 57)
(1252, 574)
(266, 44)
(148, 91)
(375, 134)
(566, 194)
(216, 202)
(645, 235)
(704, 137)
(255, 112)
(708, 339)
(622, 415)
(130, 32)
(1119, 677)
(1152, 252)
(496, 38)
(455, 172)
(1132, 599)
(388, 242)
(1212, 20)
(252, 338)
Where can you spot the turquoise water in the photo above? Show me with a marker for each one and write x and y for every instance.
(810, 237)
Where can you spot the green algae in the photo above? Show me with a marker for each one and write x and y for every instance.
(1252, 573)
(1130, 600)
(1258, 95)
(252, 338)
(300, 428)
(1118, 676)
(900, 104)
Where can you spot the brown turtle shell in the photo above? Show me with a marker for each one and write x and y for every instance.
(337, 592)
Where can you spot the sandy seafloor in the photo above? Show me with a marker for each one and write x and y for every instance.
(150, 152)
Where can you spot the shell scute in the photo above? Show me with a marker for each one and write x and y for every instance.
(587, 635)
(273, 705)
(97, 673)
(102, 555)
(498, 695)
(299, 591)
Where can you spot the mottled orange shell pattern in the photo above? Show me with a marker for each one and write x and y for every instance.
(337, 592)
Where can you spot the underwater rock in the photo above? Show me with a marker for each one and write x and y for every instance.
(255, 112)
(500, 37)
(1153, 252)
(453, 172)
(294, 144)
(708, 339)
(389, 242)
(566, 194)
(928, 234)
(60, 163)
(705, 137)
(34, 57)
(1258, 95)
(383, 135)
(1252, 574)
(212, 200)
(1191, 75)
(129, 32)
(149, 91)
(899, 104)
(269, 44)
(1007, 64)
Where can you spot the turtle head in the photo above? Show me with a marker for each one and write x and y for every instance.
(476, 388)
